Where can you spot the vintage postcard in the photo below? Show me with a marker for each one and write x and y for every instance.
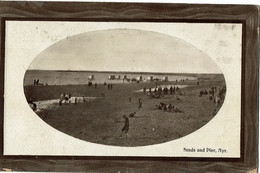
(139, 89)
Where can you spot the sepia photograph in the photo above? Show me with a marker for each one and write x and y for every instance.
(148, 89)
(124, 87)
(128, 87)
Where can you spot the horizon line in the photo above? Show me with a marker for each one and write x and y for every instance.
(96, 71)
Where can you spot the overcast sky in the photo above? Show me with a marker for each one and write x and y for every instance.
(124, 50)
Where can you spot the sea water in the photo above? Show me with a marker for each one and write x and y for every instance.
(81, 77)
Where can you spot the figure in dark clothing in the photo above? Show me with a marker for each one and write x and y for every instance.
(60, 102)
(132, 115)
(171, 90)
(156, 88)
(126, 126)
(170, 107)
(161, 106)
(108, 86)
(95, 85)
(36, 82)
(158, 107)
(66, 97)
(130, 99)
(144, 90)
(160, 90)
(212, 92)
(165, 107)
(165, 91)
(30, 101)
(155, 91)
(34, 106)
(105, 83)
(174, 90)
(140, 103)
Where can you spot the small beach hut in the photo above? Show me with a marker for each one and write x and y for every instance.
(91, 77)
(150, 78)
(140, 78)
(111, 77)
(165, 79)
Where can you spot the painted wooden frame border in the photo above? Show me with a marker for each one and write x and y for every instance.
(64, 11)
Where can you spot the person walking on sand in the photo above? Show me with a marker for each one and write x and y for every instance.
(144, 90)
(126, 126)
(76, 100)
(171, 90)
(60, 102)
(140, 103)
(37, 81)
(130, 99)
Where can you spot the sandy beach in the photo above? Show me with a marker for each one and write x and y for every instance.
(101, 120)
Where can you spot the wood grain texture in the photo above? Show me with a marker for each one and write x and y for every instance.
(140, 11)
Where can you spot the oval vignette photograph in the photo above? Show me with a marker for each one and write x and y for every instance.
(124, 87)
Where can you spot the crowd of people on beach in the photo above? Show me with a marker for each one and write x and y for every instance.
(161, 91)
(109, 86)
(161, 106)
(90, 83)
(182, 80)
(168, 108)
(217, 94)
